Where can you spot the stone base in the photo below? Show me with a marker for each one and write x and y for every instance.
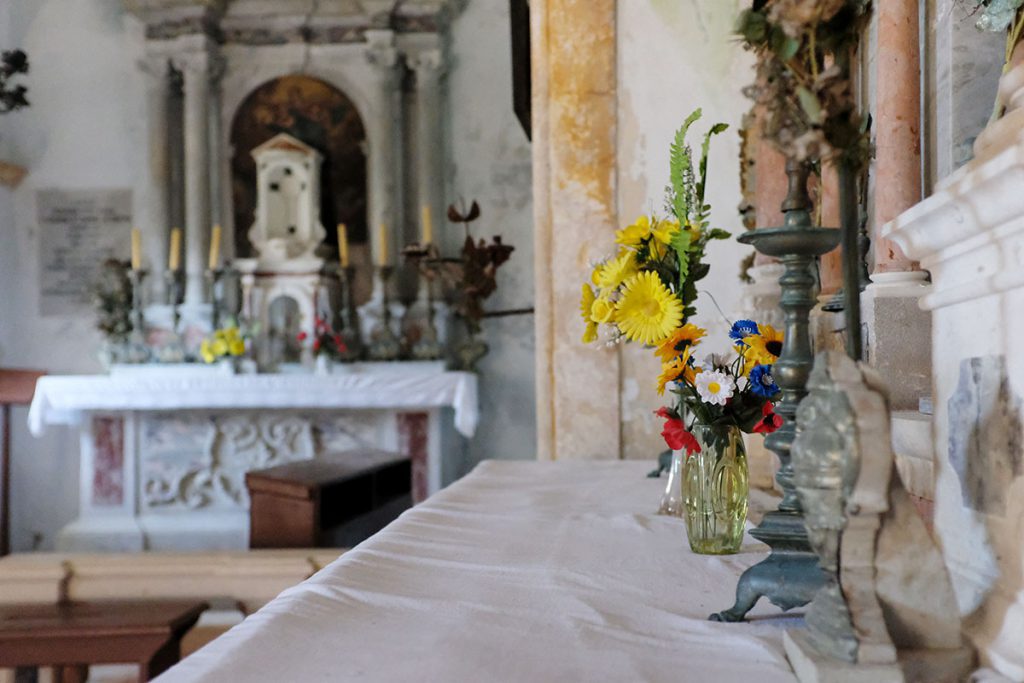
(914, 666)
(898, 335)
(191, 532)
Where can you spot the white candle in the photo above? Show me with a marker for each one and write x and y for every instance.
(343, 244)
(382, 246)
(214, 247)
(174, 256)
(136, 249)
(428, 225)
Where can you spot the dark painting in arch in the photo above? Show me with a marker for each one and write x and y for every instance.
(324, 118)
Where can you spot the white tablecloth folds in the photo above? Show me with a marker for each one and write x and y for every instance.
(522, 571)
(62, 399)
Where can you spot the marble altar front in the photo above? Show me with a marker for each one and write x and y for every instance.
(164, 455)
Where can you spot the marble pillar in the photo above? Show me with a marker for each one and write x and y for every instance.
(575, 117)
(385, 162)
(429, 67)
(153, 219)
(894, 327)
(195, 67)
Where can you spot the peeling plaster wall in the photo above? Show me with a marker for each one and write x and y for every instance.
(673, 57)
(491, 163)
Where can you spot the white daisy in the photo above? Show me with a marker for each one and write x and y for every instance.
(715, 387)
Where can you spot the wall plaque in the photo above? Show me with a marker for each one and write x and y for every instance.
(78, 231)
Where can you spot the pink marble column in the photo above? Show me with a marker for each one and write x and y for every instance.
(770, 187)
(831, 263)
(897, 124)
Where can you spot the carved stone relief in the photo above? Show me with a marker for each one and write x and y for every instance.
(985, 434)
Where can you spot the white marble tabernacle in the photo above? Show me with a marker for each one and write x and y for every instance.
(164, 457)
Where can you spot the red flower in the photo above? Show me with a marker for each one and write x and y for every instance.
(678, 438)
(769, 422)
(301, 336)
(663, 413)
(316, 344)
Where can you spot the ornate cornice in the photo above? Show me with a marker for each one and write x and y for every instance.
(291, 21)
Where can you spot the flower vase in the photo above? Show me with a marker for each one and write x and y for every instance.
(715, 490)
(672, 500)
(322, 364)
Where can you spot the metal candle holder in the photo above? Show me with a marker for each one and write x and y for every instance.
(214, 278)
(137, 350)
(790, 576)
(349, 318)
(384, 345)
(174, 350)
(428, 347)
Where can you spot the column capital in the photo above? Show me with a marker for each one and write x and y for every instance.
(429, 65)
(380, 49)
(155, 65)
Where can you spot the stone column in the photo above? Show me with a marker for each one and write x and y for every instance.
(896, 332)
(195, 67)
(575, 96)
(153, 219)
(385, 158)
(429, 67)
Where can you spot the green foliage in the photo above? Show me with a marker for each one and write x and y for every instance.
(681, 168)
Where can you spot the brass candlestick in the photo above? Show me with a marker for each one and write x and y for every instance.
(215, 285)
(428, 347)
(384, 345)
(137, 350)
(350, 333)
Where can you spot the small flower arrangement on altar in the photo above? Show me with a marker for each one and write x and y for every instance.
(326, 340)
(226, 342)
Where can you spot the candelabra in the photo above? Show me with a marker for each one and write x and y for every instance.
(384, 345)
(350, 334)
(790, 576)
(137, 351)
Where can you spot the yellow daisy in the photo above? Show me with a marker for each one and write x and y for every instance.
(648, 311)
(586, 303)
(665, 230)
(763, 348)
(676, 370)
(206, 352)
(617, 271)
(602, 310)
(236, 347)
(633, 235)
(679, 342)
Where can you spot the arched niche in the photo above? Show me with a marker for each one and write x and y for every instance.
(323, 117)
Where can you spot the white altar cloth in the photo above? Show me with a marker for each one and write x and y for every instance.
(522, 571)
(63, 399)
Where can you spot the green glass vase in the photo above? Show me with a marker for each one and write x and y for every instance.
(715, 490)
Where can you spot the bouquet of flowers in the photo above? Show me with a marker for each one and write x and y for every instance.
(227, 342)
(646, 292)
(736, 390)
(325, 339)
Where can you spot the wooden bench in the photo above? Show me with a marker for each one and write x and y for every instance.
(297, 504)
(70, 636)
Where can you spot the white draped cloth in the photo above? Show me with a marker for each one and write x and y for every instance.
(522, 571)
(63, 399)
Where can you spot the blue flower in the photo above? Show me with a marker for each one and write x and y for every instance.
(761, 381)
(743, 328)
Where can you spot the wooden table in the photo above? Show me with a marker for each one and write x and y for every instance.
(71, 636)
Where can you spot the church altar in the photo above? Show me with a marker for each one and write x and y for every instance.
(164, 454)
(521, 571)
